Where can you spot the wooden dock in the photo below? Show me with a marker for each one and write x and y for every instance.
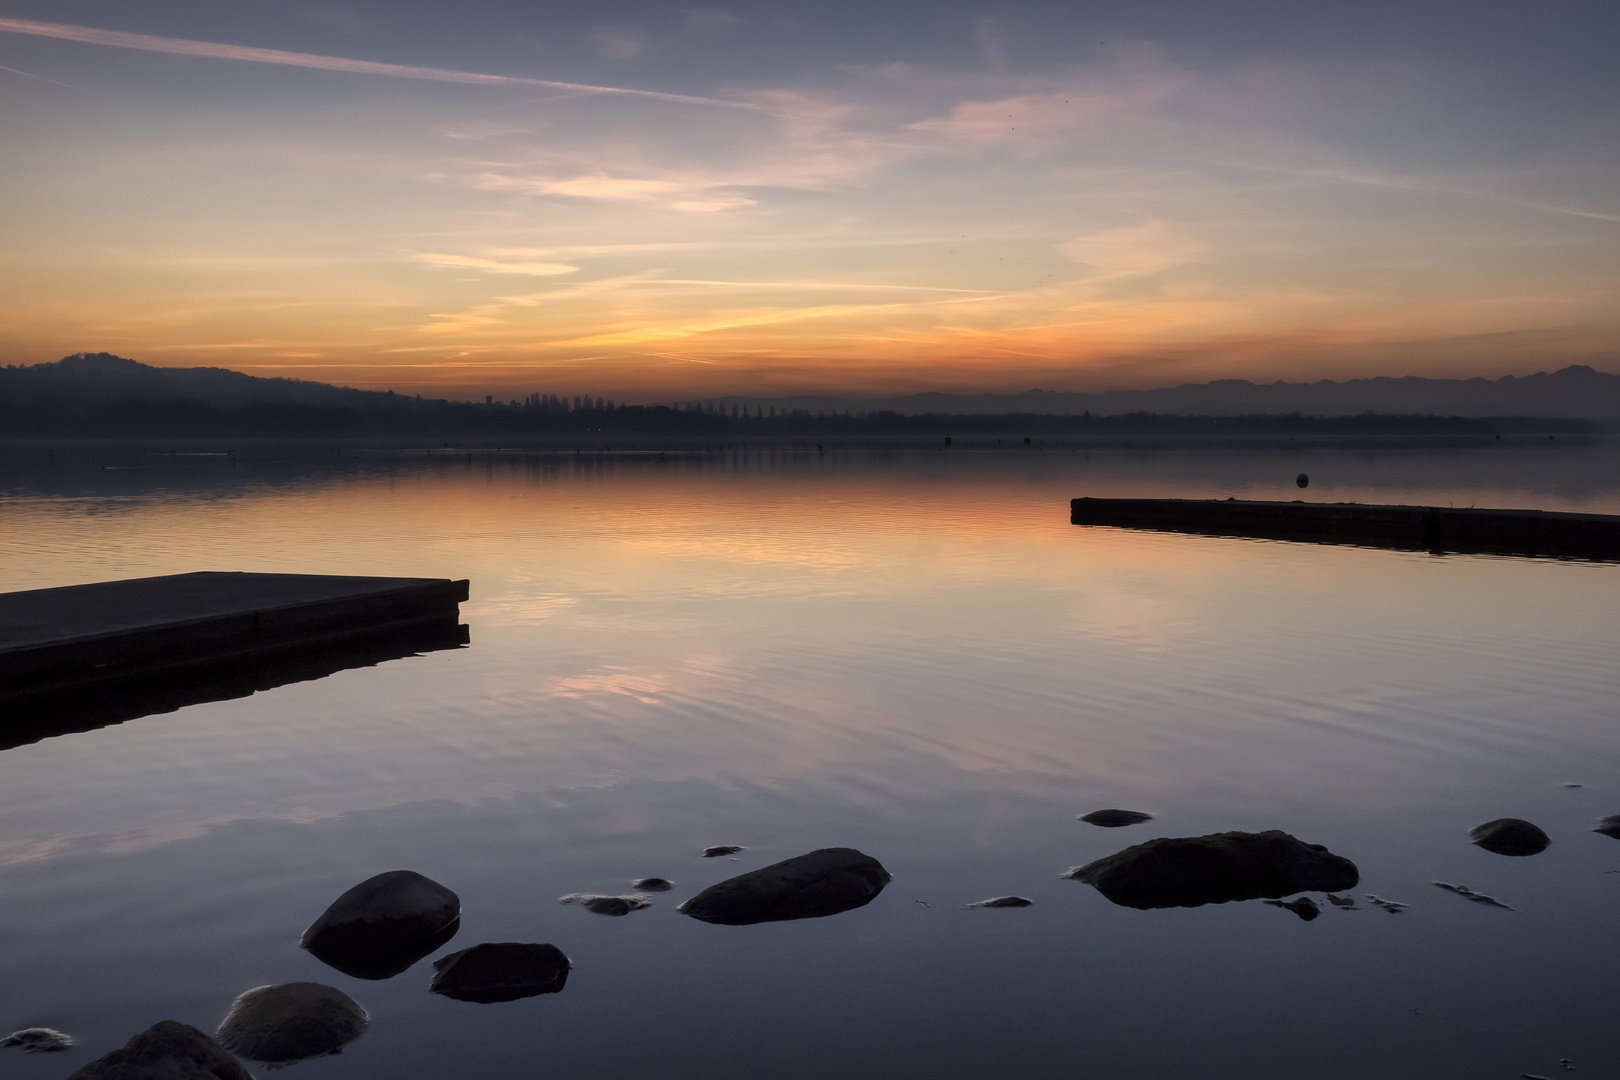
(1405, 528)
(111, 649)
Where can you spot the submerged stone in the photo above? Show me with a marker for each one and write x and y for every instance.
(384, 925)
(1215, 869)
(720, 849)
(1114, 819)
(1510, 836)
(811, 886)
(1304, 907)
(291, 1022)
(1609, 826)
(1469, 894)
(1004, 901)
(607, 905)
(500, 971)
(652, 884)
(38, 1040)
(168, 1050)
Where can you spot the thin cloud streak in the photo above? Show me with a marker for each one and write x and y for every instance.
(210, 50)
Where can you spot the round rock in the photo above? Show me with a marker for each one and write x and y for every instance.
(38, 1040)
(810, 886)
(291, 1022)
(384, 925)
(168, 1050)
(653, 884)
(1191, 871)
(1510, 836)
(500, 971)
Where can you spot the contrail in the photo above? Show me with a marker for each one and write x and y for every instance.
(42, 78)
(215, 51)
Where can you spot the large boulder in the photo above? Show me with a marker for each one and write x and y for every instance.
(809, 886)
(1609, 826)
(291, 1022)
(1510, 836)
(168, 1050)
(500, 971)
(1215, 869)
(384, 925)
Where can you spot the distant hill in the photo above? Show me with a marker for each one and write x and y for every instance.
(99, 395)
(1575, 391)
(105, 376)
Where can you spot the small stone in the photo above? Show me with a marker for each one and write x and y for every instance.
(168, 1050)
(500, 971)
(1216, 869)
(652, 884)
(1004, 901)
(291, 1022)
(810, 886)
(1304, 907)
(1347, 902)
(1510, 836)
(1469, 894)
(607, 905)
(1391, 906)
(1609, 826)
(719, 850)
(38, 1040)
(1115, 819)
(384, 925)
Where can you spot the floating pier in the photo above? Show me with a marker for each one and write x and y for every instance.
(83, 656)
(1403, 528)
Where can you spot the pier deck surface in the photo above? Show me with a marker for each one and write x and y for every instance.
(67, 637)
(1405, 528)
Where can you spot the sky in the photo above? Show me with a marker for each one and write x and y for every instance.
(655, 202)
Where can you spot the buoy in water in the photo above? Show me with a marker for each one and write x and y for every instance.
(1302, 480)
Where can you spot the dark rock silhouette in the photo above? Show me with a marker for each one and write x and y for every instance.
(1004, 901)
(1609, 826)
(720, 849)
(168, 1050)
(1510, 836)
(1394, 907)
(607, 905)
(500, 971)
(823, 882)
(291, 1022)
(1216, 869)
(1304, 907)
(1469, 894)
(1114, 819)
(652, 884)
(384, 925)
(38, 1040)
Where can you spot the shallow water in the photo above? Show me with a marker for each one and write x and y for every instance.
(910, 653)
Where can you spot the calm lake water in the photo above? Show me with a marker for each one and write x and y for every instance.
(912, 653)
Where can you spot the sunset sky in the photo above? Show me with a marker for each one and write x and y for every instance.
(651, 202)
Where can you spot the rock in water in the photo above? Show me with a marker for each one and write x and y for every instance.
(384, 925)
(652, 884)
(1609, 826)
(607, 905)
(1114, 819)
(1304, 907)
(291, 1022)
(1510, 836)
(501, 971)
(809, 886)
(1215, 869)
(720, 849)
(38, 1040)
(1004, 901)
(168, 1050)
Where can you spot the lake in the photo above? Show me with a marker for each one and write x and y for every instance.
(911, 652)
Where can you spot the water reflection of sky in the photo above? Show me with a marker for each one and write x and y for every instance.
(914, 656)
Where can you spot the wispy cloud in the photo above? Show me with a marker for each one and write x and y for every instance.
(211, 50)
(494, 266)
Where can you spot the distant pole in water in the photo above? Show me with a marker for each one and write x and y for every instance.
(1302, 480)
